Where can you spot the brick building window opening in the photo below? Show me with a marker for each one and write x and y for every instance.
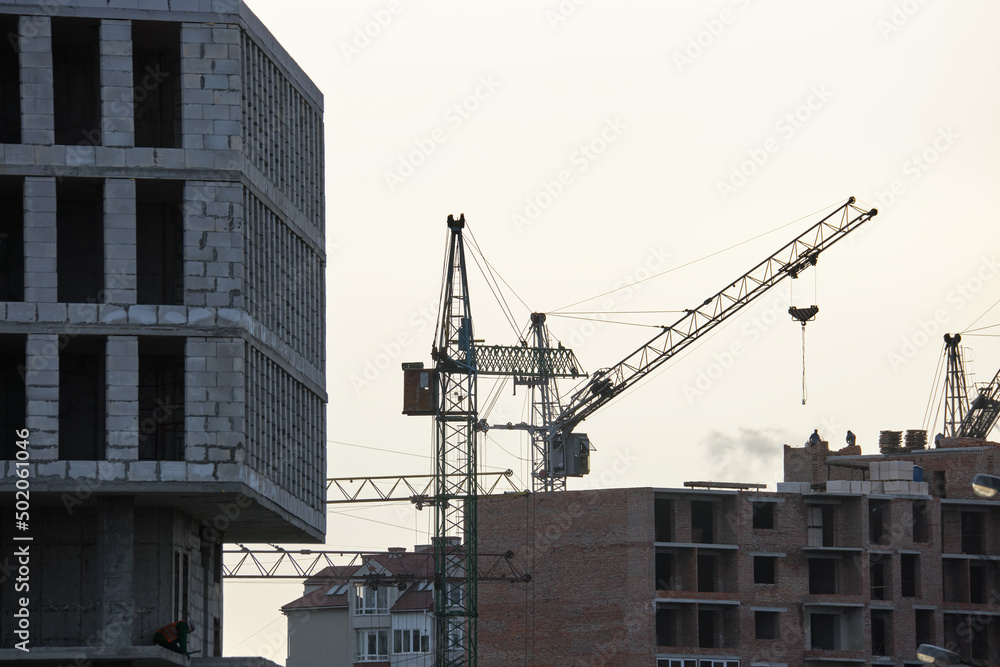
(13, 396)
(973, 527)
(978, 582)
(80, 240)
(765, 569)
(938, 484)
(410, 641)
(11, 235)
(878, 521)
(763, 515)
(824, 632)
(708, 628)
(159, 238)
(921, 521)
(765, 624)
(76, 78)
(156, 83)
(666, 627)
(373, 645)
(664, 571)
(10, 81)
(909, 575)
(370, 600)
(161, 399)
(702, 521)
(82, 428)
(880, 576)
(663, 517)
(924, 625)
(707, 573)
(820, 526)
(881, 632)
(822, 576)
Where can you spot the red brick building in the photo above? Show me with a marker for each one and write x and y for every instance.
(823, 573)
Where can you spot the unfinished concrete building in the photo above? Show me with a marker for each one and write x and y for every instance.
(162, 383)
(822, 573)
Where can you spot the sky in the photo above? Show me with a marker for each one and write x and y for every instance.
(594, 144)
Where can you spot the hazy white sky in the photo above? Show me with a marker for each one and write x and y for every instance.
(591, 143)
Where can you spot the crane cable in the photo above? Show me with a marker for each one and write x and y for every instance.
(935, 400)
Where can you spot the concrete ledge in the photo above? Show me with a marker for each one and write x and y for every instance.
(148, 656)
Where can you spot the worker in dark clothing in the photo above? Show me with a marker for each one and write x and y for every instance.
(174, 636)
(814, 438)
(851, 438)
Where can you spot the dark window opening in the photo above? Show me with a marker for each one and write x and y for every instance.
(81, 400)
(181, 566)
(955, 575)
(702, 521)
(159, 223)
(663, 516)
(921, 517)
(879, 576)
(666, 627)
(878, 518)
(972, 532)
(156, 80)
(980, 640)
(824, 631)
(822, 576)
(706, 574)
(216, 637)
(881, 633)
(13, 398)
(764, 569)
(977, 583)
(11, 238)
(80, 240)
(10, 82)
(820, 527)
(765, 624)
(707, 622)
(161, 399)
(763, 515)
(76, 75)
(938, 484)
(924, 622)
(908, 575)
(664, 572)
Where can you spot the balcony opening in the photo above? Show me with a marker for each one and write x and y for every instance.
(80, 240)
(820, 527)
(12, 238)
(10, 82)
(663, 517)
(161, 399)
(664, 572)
(909, 575)
(156, 80)
(881, 632)
(878, 520)
(765, 624)
(708, 622)
(81, 399)
(13, 398)
(702, 521)
(707, 579)
(956, 575)
(824, 632)
(159, 235)
(763, 515)
(924, 624)
(76, 75)
(666, 627)
(764, 569)
(822, 576)
(972, 532)
(921, 518)
(977, 583)
(880, 576)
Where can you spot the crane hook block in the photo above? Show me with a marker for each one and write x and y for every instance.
(803, 315)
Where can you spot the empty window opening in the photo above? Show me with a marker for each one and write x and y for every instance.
(765, 569)
(956, 580)
(702, 521)
(156, 80)
(824, 632)
(10, 82)
(820, 527)
(977, 582)
(708, 621)
(765, 624)
(159, 232)
(921, 518)
(980, 644)
(663, 515)
(13, 399)
(972, 532)
(80, 240)
(707, 576)
(161, 399)
(909, 575)
(11, 238)
(81, 399)
(822, 576)
(666, 627)
(924, 624)
(878, 521)
(879, 576)
(76, 75)
(881, 632)
(664, 572)
(938, 484)
(763, 515)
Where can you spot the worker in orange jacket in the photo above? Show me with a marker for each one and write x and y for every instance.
(174, 636)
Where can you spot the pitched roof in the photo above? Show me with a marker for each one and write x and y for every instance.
(414, 599)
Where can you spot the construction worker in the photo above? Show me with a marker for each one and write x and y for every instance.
(814, 439)
(174, 636)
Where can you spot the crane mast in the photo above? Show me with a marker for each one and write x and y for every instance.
(956, 399)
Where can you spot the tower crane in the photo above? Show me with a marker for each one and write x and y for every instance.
(448, 392)
(964, 418)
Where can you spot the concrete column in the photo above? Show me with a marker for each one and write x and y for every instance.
(42, 388)
(119, 241)
(37, 96)
(117, 104)
(40, 240)
(116, 563)
(123, 401)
